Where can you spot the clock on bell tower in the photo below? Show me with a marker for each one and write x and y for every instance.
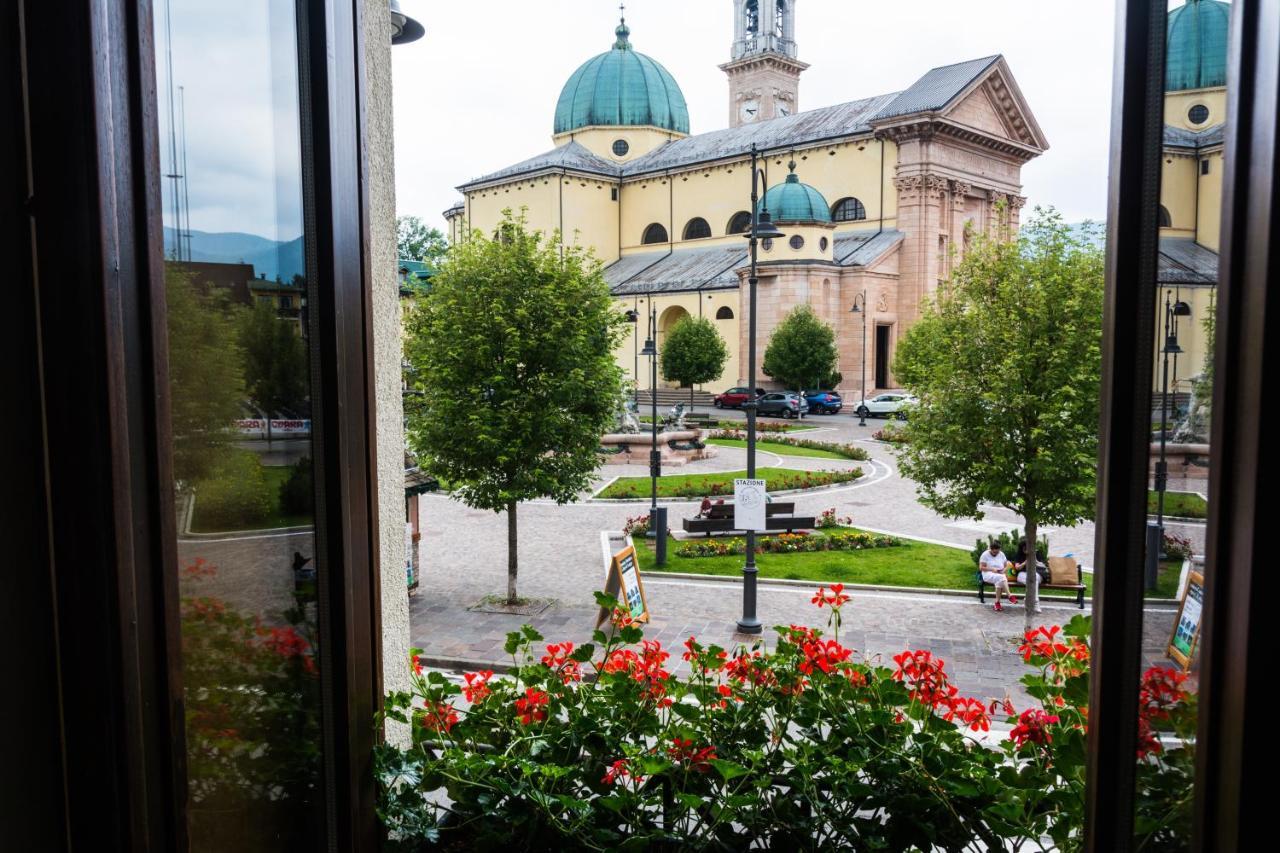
(764, 73)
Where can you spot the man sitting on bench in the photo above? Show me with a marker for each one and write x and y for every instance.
(992, 565)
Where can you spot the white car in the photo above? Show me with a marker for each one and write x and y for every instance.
(891, 405)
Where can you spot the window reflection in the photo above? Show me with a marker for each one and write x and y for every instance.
(236, 288)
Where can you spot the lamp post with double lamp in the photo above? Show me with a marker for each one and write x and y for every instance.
(657, 515)
(860, 307)
(762, 228)
(1155, 545)
(633, 317)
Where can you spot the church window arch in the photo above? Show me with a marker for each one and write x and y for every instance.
(848, 210)
(725, 313)
(779, 19)
(697, 229)
(740, 223)
(753, 17)
(1166, 221)
(655, 233)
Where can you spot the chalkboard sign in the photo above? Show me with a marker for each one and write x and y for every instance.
(1186, 630)
(623, 583)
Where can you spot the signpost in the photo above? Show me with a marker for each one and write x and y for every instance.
(623, 583)
(749, 499)
(1186, 630)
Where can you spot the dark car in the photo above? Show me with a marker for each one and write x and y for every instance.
(823, 402)
(735, 397)
(787, 404)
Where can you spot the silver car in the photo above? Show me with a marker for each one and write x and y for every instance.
(788, 404)
(890, 405)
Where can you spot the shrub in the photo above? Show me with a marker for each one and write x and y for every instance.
(637, 526)
(804, 746)
(296, 493)
(237, 495)
(891, 435)
(1008, 545)
(828, 519)
(848, 451)
(788, 543)
(1177, 547)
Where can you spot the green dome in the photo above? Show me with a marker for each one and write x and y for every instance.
(621, 88)
(792, 201)
(1196, 52)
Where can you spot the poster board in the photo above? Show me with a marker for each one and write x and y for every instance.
(622, 581)
(749, 499)
(1186, 628)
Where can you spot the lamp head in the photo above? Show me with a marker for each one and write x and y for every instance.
(1181, 309)
(764, 228)
(649, 348)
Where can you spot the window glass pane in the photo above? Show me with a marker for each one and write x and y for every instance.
(236, 284)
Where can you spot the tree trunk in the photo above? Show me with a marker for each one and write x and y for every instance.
(512, 559)
(1031, 600)
(690, 398)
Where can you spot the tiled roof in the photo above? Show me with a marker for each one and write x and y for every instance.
(1184, 261)
(688, 269)
(568, 156)
(1177, 137)
(937, 88)
(859, 248)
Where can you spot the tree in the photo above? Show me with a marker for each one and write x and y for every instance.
(512, 359)
(275, 362)
(416, 242)
(693, 353)
(1006, 361)
(802, 352)
(206, 379)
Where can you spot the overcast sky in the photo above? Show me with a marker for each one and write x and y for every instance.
(478, 92)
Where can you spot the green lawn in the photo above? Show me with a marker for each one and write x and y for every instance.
(1167, 579)
(273, 477)
(706, 485)
(913, 564)
(1180, 504)
(773, 447)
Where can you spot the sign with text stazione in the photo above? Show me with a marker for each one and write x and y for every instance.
(623, 583)
(749, 499)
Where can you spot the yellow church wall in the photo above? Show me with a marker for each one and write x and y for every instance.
(538, 196)
(1178, 194)
(1191, 338)
(671, 308)
(1210, 203)
(644, 202)
(583, 208)
(599, 140)
(1178, 104)
(591, 216)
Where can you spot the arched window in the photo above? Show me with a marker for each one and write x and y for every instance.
(778, 29)
(848, 210)
(753, 18)
(655, 233)
(740, 223)
(697, 229)
(1166, 221)
(725, 313)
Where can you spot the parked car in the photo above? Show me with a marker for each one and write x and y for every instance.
(787, 404)
(894, 405)
(823, 402)
(735, 397)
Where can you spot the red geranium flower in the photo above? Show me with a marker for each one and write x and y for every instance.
(824, 655)
(439, 716)
(970, 712)
(925, 676)
(1033, 727)
(532, 707)
(477, 685)
(621, 770)
(684, 753)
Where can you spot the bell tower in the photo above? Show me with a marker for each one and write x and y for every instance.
(764, 74)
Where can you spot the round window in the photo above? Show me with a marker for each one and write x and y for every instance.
(823, 243)
(1198, 114)
(766, 243)
(621, 147)
(797, 242)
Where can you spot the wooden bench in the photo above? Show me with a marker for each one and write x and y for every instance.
(1063, 564)
(778, 516)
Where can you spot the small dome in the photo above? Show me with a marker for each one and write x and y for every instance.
(621, 88)
(1196, 46)
(792, 201)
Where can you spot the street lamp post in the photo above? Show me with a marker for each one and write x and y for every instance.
(657, 516)
(1155, 534)
(633, 317)
(862, 309)
(762, 227)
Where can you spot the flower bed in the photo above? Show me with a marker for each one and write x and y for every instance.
(788, 543)
(806, 746)
(845, 451)
(890, 434)
(703, 485)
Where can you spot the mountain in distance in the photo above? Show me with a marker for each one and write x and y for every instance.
(269, 257)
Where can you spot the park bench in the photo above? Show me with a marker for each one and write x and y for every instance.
(1064, 573)
(778, 516)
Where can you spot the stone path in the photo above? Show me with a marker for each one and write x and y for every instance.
(464, 558)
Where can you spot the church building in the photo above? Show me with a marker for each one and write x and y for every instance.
(873, 195)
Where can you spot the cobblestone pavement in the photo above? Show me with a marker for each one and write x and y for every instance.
(464, 558)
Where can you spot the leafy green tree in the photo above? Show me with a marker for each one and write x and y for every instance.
(512, 362)
(693, 353)
(416, 242)
(275, 361)
(1006, 361)
(206, 378)
(802, 352)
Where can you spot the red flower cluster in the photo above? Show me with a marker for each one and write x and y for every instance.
(684, 753)
(557, 657)
(621, 618)
(825, 655)
(207, 609)
(621, 769)
(836, 598)
(288, 643)
(417, 666)
(970, 712)
(695, 654)
(477, 685)
(1065, 655)
(1159, 694)
(925, 676)
(1033, 727)
(645, 668)
(439, 716)
(532, 706)
(200, 568)
(750, 669)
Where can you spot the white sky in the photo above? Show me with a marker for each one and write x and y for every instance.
(478, 92)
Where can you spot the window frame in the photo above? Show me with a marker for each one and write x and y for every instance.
(859, 207)
(699, 224)
(644, 238)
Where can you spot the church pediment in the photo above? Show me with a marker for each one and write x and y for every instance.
(995, 105)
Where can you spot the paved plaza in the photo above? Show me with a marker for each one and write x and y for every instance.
(464, 558)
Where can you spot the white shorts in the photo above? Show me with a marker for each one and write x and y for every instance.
(1022, 578)
(995, 578)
